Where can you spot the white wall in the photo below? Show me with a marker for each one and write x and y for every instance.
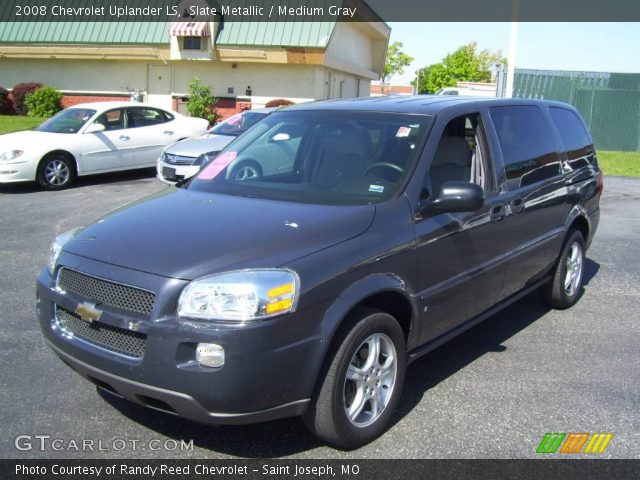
(299, 83)
(349, 44)
(266, 80)
(75, 75)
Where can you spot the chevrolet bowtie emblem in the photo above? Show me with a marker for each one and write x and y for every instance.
(88, 312)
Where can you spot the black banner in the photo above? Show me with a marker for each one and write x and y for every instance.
(318, 10)
(579, 469)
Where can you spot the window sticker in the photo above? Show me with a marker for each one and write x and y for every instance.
(403, 132)
(376, 188)
(221, 162)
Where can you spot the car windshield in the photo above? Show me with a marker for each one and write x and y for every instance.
(67, 121)
(238, 123)
(326, 157)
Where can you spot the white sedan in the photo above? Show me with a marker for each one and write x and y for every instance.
(92, 138)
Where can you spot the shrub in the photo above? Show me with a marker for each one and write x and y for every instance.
(201, 102)
(44, 102)
(20, 92)
(278, 102)
(6, 105)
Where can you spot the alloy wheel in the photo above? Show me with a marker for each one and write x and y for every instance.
(370, 380)
(57, 173)
(573, 273)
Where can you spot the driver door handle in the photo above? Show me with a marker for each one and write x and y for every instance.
(497, 213)
(124, 138)
(168, 132)
(517, 205)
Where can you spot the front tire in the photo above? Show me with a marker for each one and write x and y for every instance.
(56, 172)
(361, 387)
(565, 288)
(246, 170)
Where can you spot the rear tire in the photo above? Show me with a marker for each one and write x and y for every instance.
(360, 389)
(565, 288)
(56, 172)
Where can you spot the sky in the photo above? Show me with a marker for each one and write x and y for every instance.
(606, 47)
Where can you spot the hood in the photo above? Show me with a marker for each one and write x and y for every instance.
(187, 234)
(28, 138)
(193, 147)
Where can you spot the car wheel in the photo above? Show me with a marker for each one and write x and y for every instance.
(565, 288)
(246, 170)
(56, 172)
(360, 387)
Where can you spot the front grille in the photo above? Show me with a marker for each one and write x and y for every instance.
(112, 338)
(106, 292)
(178, 159)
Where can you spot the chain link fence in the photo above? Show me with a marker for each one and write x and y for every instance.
(609, 102)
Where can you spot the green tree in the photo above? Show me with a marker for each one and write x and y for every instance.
(466, 64)
(201, 101)
(395, 62)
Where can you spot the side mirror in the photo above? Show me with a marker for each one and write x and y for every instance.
(455, 197)
(95, 128)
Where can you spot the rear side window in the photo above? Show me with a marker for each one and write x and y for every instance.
(574, 135)
(145, 116)
(527, 145)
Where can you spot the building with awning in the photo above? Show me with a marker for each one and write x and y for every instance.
(245, 63)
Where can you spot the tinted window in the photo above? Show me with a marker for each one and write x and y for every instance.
(575, 137)
(145, 116)
(527, 145)
(328, 157)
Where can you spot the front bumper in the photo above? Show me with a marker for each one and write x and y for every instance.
(17, 172)
(270, 368)
(170, 173)
(173, 402)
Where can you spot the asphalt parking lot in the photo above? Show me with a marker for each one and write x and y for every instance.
(491, 393)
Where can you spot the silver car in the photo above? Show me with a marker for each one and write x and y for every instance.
(183, 159)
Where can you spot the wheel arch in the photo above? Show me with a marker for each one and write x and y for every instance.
(581, 224)
(579, 220)
(59, 151)
(384, 292)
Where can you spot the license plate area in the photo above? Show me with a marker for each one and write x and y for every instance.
(169, 173)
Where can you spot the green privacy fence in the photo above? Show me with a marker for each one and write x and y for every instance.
(609, 102)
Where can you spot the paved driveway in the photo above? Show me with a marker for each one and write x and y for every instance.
(493, 392)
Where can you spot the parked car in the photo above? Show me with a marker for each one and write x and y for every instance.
(398, 224)
(183, 159)
(468, 91)
(92, 138)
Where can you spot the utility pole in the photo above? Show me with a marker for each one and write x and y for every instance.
(513, 43)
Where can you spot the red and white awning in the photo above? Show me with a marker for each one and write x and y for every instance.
(190, 29)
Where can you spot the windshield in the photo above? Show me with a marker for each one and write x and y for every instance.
(67, 121)
(238, 123)
(327, 157)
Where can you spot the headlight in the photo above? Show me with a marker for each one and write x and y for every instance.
(204, 158)
(56, 247)
(9, 155)
(240, 296)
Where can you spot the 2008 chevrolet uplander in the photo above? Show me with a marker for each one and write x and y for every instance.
(395, 224)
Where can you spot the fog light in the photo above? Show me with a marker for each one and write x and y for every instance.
(210, 355)
(8, 172)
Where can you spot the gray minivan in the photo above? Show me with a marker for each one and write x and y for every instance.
(396, 224)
